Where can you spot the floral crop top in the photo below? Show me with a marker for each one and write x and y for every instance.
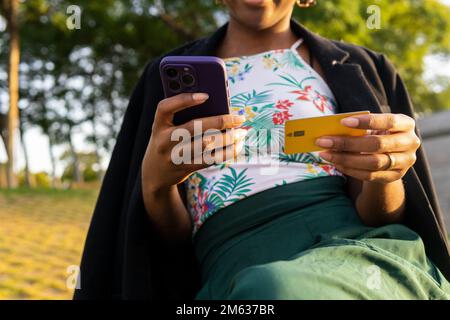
(268, 88)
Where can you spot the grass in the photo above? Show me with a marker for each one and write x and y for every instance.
(42, 233)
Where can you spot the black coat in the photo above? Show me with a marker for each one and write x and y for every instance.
(123, 259)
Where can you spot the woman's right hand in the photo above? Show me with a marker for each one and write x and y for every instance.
(159, 172)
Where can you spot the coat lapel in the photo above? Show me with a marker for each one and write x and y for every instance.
(345, 79)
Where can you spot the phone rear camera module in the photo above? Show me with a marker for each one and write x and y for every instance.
(174, 85)
(188, 80)
(171, 72)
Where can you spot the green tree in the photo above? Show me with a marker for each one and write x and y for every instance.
(76, 79)
(410, 30)
(87, 167)
(10, 10)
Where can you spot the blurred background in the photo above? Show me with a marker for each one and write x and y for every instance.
(67, 69)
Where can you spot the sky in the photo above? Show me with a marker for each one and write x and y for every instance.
(37, 143)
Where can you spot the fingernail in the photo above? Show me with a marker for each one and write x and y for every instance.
(238, 119)
(350, 122)
(200, 96)
(240, 133)
(324, 143)
(239, 147)
(324, 155)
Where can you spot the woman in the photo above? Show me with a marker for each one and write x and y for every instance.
(346, 223)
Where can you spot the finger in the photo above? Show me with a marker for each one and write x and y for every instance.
(226, 121)
(212, 139)
(396, 142)
(199, 150)
(229, 153)
(370, 162)
(381, 121)
(372, 176)
(167, 107)
(215, 141)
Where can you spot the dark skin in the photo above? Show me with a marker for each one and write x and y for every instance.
(256, 26)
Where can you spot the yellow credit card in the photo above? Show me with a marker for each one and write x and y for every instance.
(300, 135)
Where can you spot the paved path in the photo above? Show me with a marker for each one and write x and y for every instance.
(438, 151)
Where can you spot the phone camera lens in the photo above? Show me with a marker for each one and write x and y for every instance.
(188, 80)
(174, 85)
(171, 72)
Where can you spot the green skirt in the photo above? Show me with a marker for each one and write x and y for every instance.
(305, 241)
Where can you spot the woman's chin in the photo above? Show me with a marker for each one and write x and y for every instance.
(257, 23)
(256, 3)
(259, 14)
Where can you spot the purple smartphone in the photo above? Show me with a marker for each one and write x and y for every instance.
(206, 74)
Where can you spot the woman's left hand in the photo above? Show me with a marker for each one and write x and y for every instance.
(366, 157)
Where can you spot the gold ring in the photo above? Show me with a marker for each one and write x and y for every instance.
(392, 161)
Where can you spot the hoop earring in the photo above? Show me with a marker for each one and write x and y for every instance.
(306, 3)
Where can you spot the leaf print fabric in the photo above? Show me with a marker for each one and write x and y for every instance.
(268, 88)
(236, 71)
(210, 195)
(307, 93)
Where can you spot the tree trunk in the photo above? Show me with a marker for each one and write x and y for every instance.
(27, 176)
(13, 79)
(96, 144)
(52, 160)
(75, 161)
(3, 129)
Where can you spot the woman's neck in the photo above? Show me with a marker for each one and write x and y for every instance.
(241, 40)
